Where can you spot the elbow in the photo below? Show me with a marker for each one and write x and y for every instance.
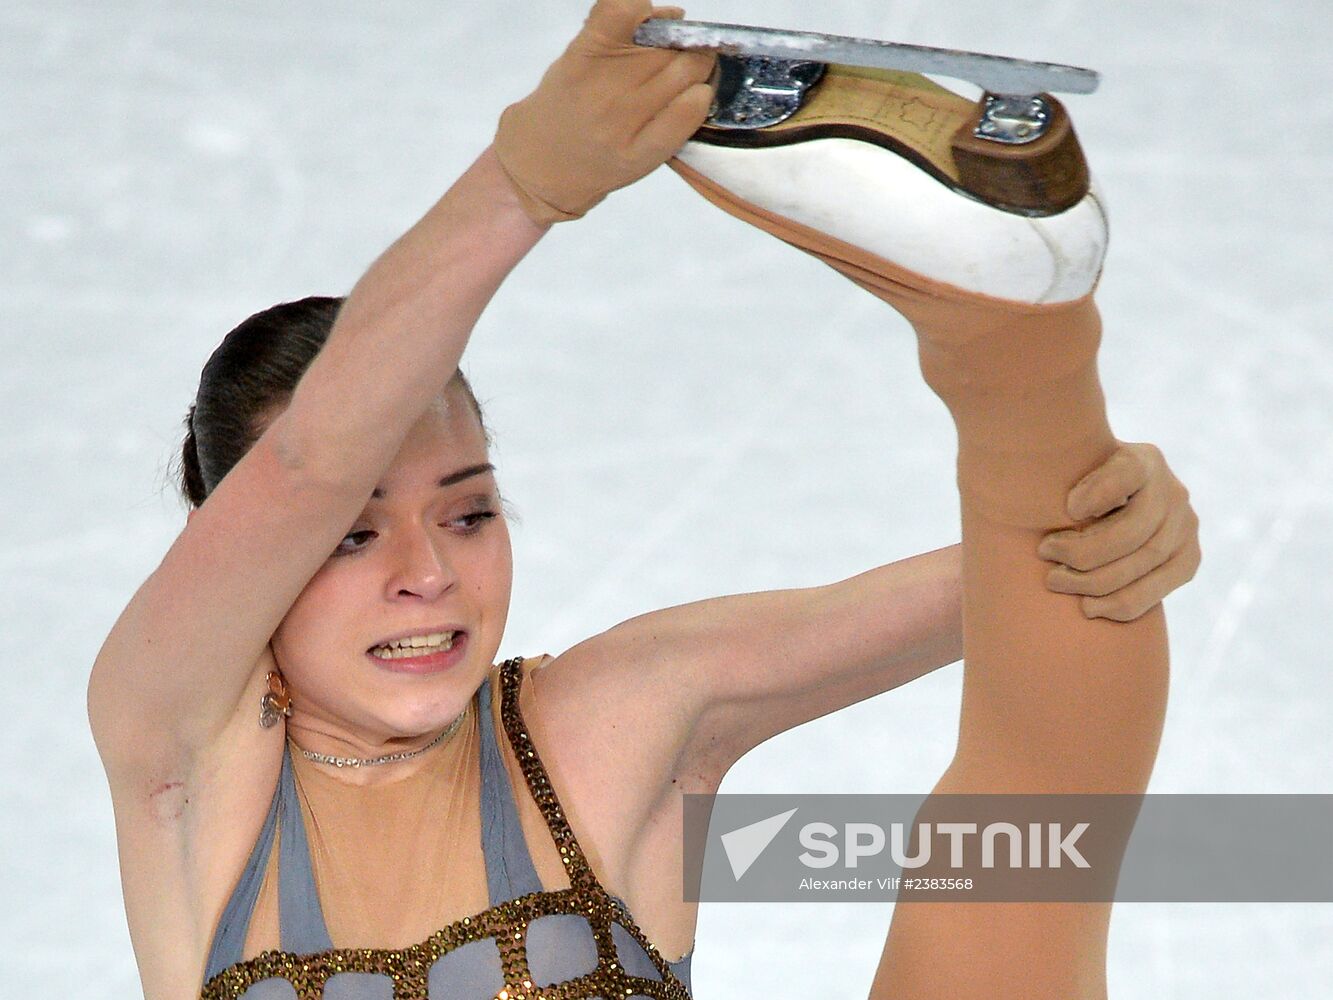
(308, 460)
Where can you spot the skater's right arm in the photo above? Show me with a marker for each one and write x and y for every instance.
(170, 677)
(173, 669)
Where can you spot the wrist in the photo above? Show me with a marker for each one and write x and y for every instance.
(515, 152)
(504, 197)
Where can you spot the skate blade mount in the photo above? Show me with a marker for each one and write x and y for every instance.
(766, 72)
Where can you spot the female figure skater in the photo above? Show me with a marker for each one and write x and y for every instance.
(323, 784)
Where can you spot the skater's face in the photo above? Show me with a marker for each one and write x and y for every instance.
(419, 559)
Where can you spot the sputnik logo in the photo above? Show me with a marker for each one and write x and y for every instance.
(745, 844)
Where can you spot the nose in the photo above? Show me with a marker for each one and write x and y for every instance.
(421, 566)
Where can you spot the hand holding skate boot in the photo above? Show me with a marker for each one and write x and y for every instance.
(605, 114)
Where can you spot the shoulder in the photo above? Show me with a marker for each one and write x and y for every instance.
(618, 699)
(610, 737)
(623, 675)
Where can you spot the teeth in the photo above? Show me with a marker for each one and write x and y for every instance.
(416, 645)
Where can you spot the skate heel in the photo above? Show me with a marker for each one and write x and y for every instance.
(998, 164)
(1018, 155)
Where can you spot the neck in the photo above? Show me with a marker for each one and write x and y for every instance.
(363, 761)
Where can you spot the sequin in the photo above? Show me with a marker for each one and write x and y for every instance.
(408, 968)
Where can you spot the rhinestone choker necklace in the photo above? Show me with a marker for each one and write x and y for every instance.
(324, 758)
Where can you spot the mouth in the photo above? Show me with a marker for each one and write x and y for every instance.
(422, 653)
(408, 647)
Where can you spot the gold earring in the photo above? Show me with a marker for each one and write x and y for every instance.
(276, 701)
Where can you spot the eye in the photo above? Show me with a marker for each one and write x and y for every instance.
(342, 550)
(473, 522)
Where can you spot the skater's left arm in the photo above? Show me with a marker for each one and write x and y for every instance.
(737, 670)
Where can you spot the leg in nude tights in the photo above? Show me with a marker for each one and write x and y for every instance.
(1052, 702)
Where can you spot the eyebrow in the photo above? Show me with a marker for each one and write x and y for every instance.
(448, 480)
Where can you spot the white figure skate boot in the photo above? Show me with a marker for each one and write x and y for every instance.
(888, 176)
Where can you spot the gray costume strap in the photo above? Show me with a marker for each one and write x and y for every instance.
(300, 919)
(229, 938)
(301, 926)
(509, 869)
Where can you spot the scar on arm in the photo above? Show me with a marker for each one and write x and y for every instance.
(168, 801)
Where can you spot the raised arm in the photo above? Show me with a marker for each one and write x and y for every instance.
(184, 648)
(171, 674)
(740, 669)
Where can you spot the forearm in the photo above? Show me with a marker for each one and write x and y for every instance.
(403, 328)
(842, 643)
(910, 617)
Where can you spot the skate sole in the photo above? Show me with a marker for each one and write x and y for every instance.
(880, 276)
(932, 127)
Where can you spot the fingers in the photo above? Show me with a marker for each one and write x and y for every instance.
(1146, 593)
(1111, 537)
(1142, 559)
(606, 46)
(1114, 481)
(614, 21)
(1126, 561)
(672, 127)
(686, 69)
(1127, 588)
(1138, 511)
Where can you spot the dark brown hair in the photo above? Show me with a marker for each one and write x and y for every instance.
(252, 375)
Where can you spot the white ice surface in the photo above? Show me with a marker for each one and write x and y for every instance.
(684, 406)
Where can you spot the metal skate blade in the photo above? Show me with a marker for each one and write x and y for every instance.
(997, 74)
